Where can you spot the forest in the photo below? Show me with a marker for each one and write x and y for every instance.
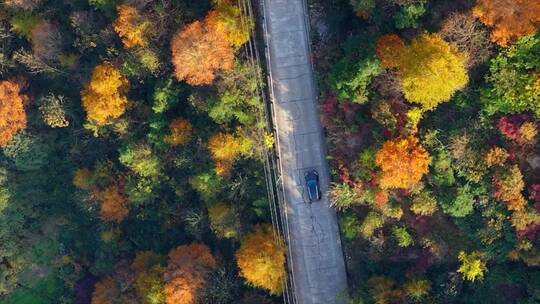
(133, 139)
(432, 111)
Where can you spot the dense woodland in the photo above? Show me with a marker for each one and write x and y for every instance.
(132, 139)
(432, 111)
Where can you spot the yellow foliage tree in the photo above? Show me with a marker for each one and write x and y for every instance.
(12, 115)
(496, 156)
(225, 148)
(431, 71)
(131, 26)
(82, 179)
(227, 18)
(261, 259)
(103, 97)
(509, 19)
(473, 267)
(180, 132)
(186, 272)
(149, 271)
(403, 162)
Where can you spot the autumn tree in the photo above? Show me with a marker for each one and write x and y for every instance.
(261, 259)
(180, 132)
(389, 49)
(131, 26)
(468, 36)
(225, 148)
(224, 220)
(114, 205)
(186, 272)
(473, 266)
(509, 19)
(149, 285)
(431, 70)
(403, 162)
(227, 18)
(12, 114)
(106, 291)
(53, 111)
(46, 41)
(28, 5)
(198, 51)
(513, 80)
(507, 186)
(104, 98)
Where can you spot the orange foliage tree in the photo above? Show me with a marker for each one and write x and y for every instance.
(261, 259)
(403, 162)
(186, 272)
(509, 19)
(180, 132)
(131, 26)
(114, 204)
(198, 51)
(106, 291)
(224, 148)
(12, 115)
(389, 49)
(103, 97)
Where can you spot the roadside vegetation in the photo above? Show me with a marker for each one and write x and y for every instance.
(432, 111)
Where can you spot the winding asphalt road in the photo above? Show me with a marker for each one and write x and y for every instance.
(315, 254)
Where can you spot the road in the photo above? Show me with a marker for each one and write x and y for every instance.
(315, 254)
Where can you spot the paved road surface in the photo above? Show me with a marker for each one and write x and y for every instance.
(315, 247)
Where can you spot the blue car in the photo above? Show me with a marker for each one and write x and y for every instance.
(312, 183)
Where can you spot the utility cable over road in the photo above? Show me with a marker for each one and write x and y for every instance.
(315, 256)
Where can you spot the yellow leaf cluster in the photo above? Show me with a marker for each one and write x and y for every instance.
(12, 115)
(132, 28)
(431, 71)
(82, 179)
(180, 132)
(496, 156)
(261, 259)
(223, 220)
(225, 148)
(473, 267)
(227, 18)
(103, 97)
(403, 162)
(509, 19)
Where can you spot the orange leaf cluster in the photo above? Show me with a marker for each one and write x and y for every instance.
(510, 19)
(103, 97)
(389, 49)
(132, 28)
(186, 272)
(403, 162)
(198, 51)
(181, 130)
(12, 115)
(508, 184)
(262, 260)
(224, 148)
(113, 203)
(106, 291)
